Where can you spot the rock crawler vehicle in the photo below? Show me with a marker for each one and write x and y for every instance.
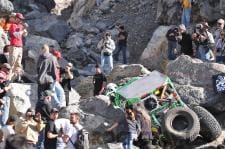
(171, 117)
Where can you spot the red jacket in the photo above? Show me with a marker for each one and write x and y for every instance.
(16, 41)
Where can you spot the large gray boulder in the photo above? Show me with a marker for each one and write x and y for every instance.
(80, 8)
(126, 71)
(169, 11)
(6, 7)
(22, 97)
(194, 81)
(154, 56)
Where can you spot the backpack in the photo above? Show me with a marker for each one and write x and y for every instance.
(82, 140)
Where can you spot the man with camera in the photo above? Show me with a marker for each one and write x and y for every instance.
(107, 46)
(171, 36)
(30, 126)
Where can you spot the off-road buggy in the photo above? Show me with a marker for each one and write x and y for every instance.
(171, 117)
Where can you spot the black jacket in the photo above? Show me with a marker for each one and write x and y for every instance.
(186, 44)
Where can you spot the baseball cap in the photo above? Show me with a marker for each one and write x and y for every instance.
(20, 16)
(54, 110)
(47, 93)
(57, 54)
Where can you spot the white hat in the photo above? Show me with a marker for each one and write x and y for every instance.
(182, 27)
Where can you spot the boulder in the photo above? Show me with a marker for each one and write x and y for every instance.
(60, 5)
(85, 87)
(124, 71)
(49, 4)
(195, 81)
(154, 56)
(59, 31)
(22, 97)
(6, 7)
(75, 41)
(80, 8)
(74, 97)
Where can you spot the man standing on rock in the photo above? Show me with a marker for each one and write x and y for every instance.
(122, 44)
(186, 13)
(171, 36)
(17, 32)
(99, 81)
(107, 46)
(46, 68)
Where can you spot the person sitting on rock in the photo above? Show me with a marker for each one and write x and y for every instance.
(107, 46)
(30, 126)
(66, 77)
(99, 81)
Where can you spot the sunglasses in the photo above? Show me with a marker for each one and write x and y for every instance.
(219, 23)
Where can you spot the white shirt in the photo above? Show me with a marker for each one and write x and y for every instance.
(72, 133)
(7, 130)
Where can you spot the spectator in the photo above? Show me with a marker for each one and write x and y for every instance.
(99, 81)
(57, 88)
(46, 68)
(16, 141)
(6, 68)
(186, 13)
(71, 136)
(107, 46)
(2, 139)
(4, 98)
(131, 128)
(185, 41)
(122, 44)
(8, 129)
(144, 120)
(51, 133)
(4, 38)
(66, 77)
(220, 48)
(219, 29)
(5, 56)
(44, 105)
(30, 127)
(171, 36)
(17, 32)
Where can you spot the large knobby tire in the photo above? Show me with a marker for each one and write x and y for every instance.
(210, 128)
(181, 123)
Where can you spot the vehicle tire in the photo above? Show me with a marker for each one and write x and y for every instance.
(181, 123)
(210, 128)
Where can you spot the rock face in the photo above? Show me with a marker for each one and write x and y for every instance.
(125, 71)
(154, 56)
(6, 7)
(195, 82)
(169, 11)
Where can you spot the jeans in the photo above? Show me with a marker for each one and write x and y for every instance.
(128, 142)
(202, 52)
(124, 52)
(186, 16)
(41, 139)
(4, 111)
(172, 45)
(59, 95)
(60, 144)
(109, 60)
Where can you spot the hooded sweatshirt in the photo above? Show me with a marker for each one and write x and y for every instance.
(46, 68)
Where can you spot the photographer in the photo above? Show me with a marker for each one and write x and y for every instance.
(204, 39)
(171, 36)
(30, 126)
(107, 46)
(66, 77)
(220, 48)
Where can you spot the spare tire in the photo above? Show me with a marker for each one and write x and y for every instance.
(210, 128)
(181, 123)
